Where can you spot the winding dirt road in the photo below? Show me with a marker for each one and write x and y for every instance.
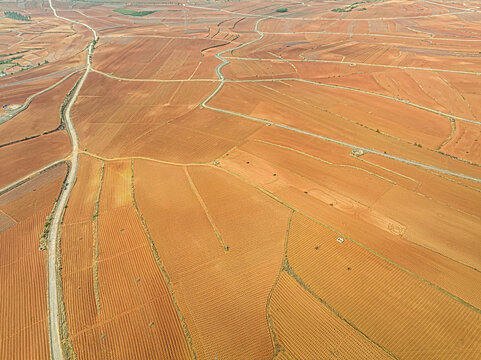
(53, 235)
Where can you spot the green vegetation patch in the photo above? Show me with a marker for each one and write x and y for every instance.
(16, 16)
(353, 6)
(133, 12)
(10, 61)
(281, 10)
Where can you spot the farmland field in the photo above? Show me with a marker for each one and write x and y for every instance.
(238, 180)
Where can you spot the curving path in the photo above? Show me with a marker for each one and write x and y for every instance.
(52, 281)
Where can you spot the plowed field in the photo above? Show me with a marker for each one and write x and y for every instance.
(23, 329)
(255, 180)
(116, 280)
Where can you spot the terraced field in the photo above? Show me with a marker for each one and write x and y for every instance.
(240, 180)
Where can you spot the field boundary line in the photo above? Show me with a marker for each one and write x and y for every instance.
(306, 287)
(206, 211)
(30, 176)
(95, 224)
(457, 182)
(142, 158)
(450, 136)
(389, 170)
(160, 264)
(11, 218)
(275, 344)
(115, 77)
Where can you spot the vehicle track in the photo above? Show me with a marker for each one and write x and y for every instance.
(56, 350)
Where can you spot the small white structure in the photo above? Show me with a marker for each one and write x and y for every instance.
(340, 240)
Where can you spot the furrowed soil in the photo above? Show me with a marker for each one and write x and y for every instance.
(256, 180)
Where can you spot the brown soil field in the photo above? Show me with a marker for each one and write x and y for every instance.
(39, 117)
(17, 94)
(21, 159)
(131, 290)
(306, 328)
(86, 190)
(23, 329)
(361, 221)
(466, 142)
(410, 316)
(277, 102)
(237, 251)
(25, 199)
(349, 130)
(40, 41)
(6, 222)
(252, 183)
(156, 58)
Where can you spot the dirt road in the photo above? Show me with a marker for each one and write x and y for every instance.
(52, 293)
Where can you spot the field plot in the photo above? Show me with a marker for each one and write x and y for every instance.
(156, 58)
(24, 158)
(239, 259)
(466, 142)
(349, 204)
(255, 180)
(306, 328)
(409, 318)
(36, 43)
(23, 329)
(41, 116)
(306, 114)
(116, 280)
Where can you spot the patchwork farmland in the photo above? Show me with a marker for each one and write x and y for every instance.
(240, 179)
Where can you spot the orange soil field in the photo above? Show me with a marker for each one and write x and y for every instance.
(302, 330)
(204, 230)
(466, 142)
(156, 58)
(17, 94)
(401, 313)
(41, 40)
(131, 290)
(236, 280)
(370, 111)
(24, 158)
(324, 122)
(39, 116)
(358, 217)
(23, 329)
